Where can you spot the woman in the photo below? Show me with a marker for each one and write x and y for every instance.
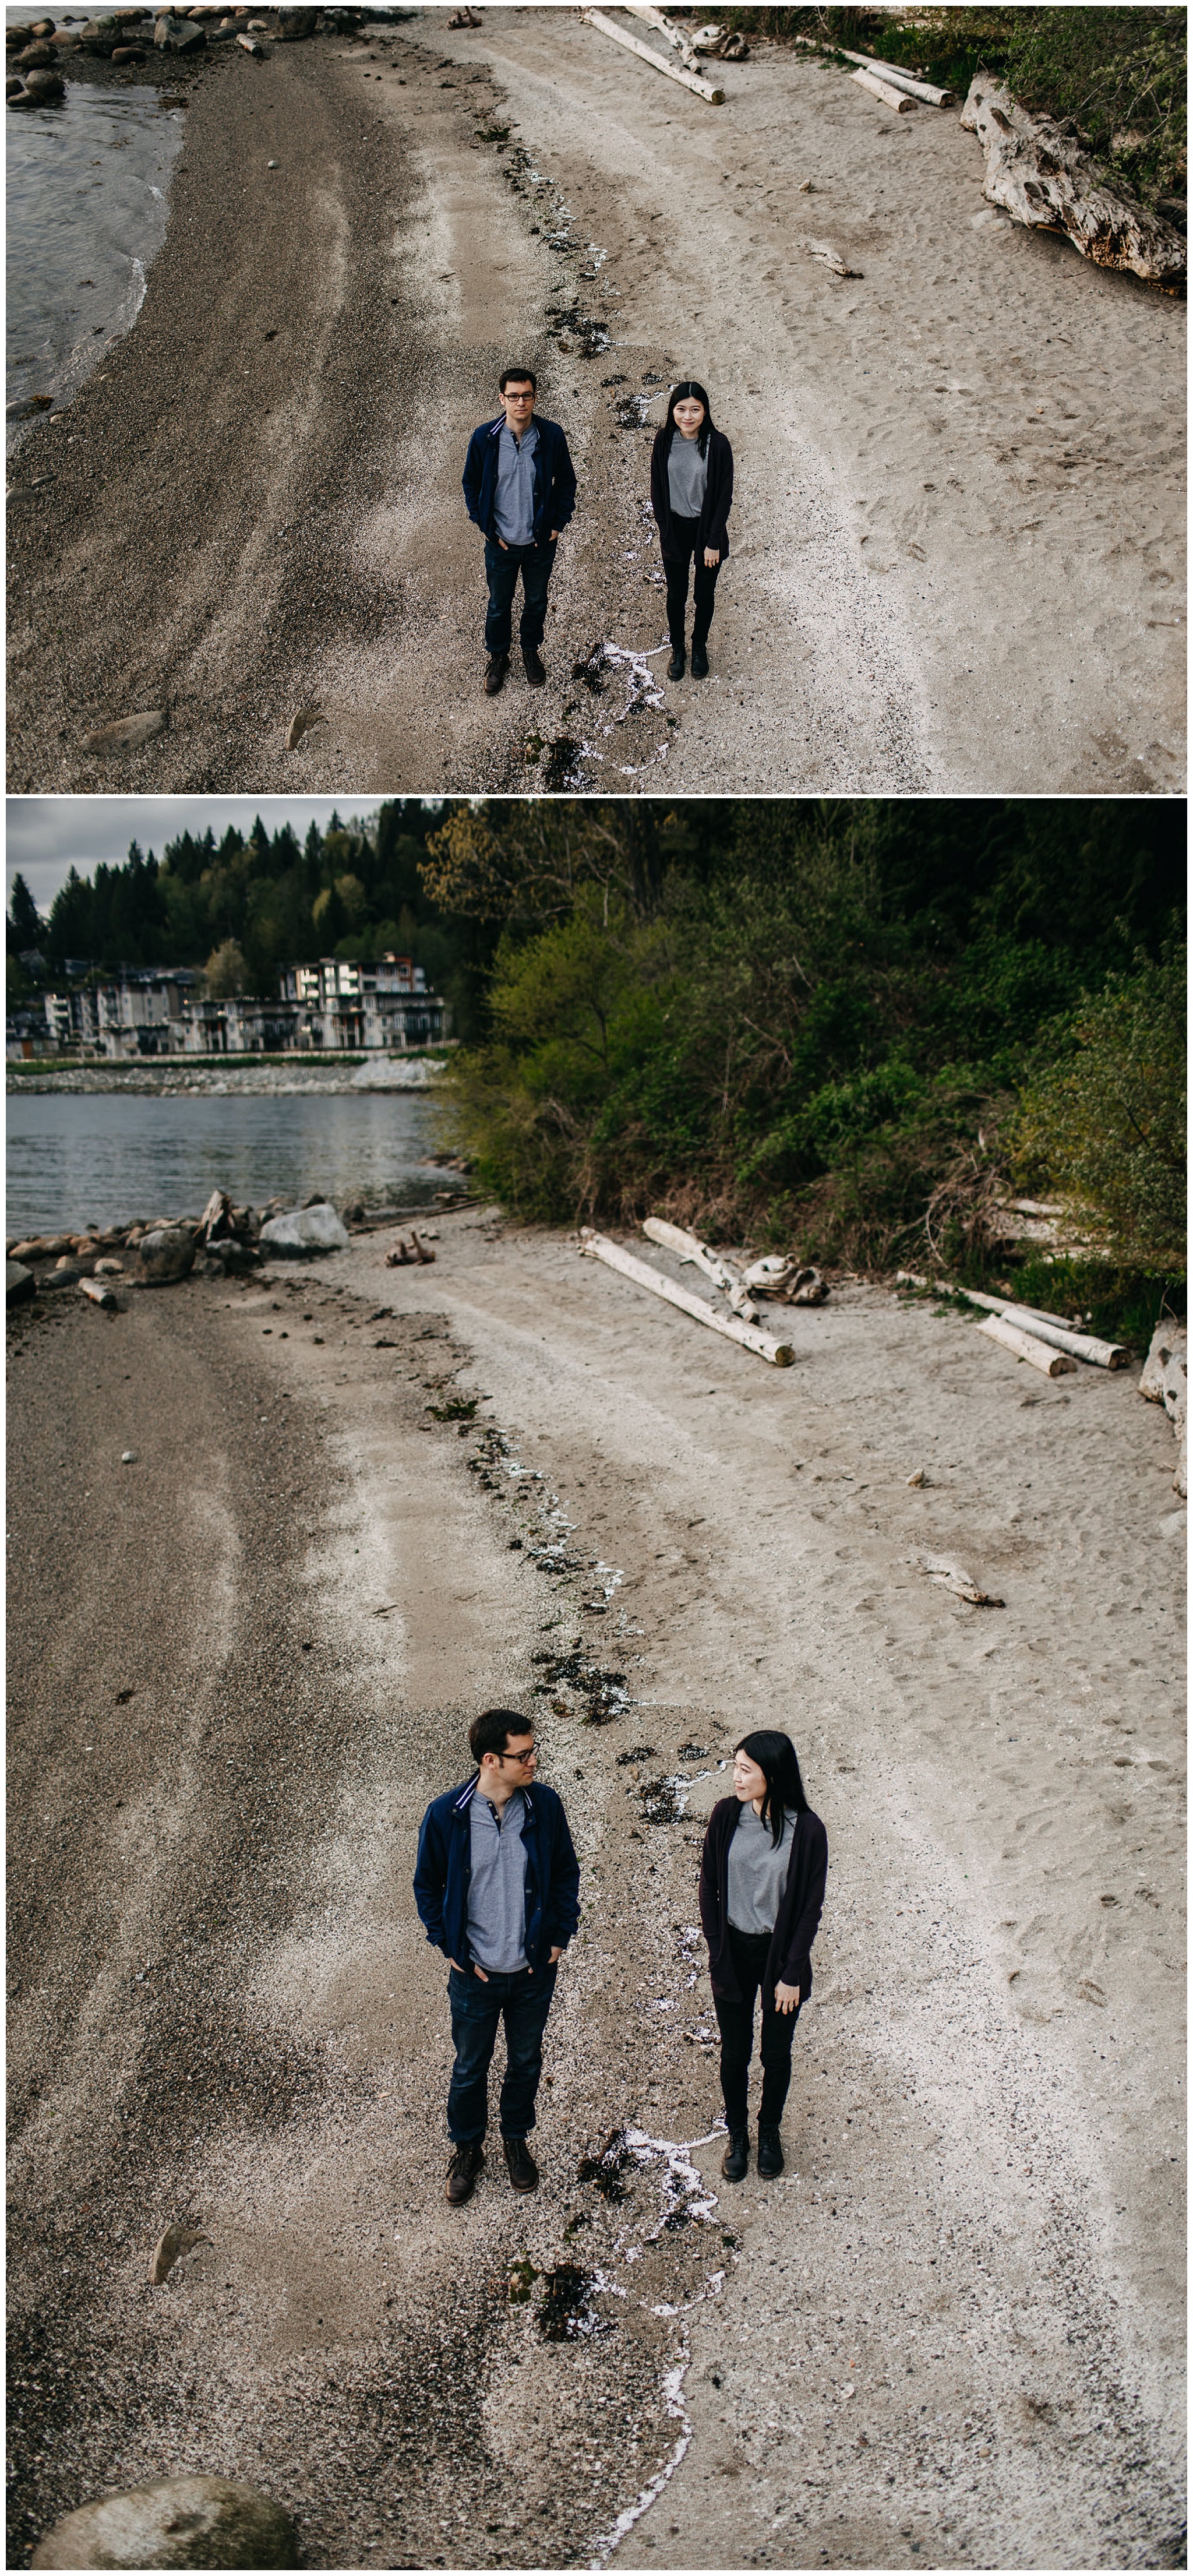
(691, 487)
(762, 1877)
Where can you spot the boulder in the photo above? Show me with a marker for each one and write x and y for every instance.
(165, 1255)
(179, 2522)
(45, 85)
(178, 35)
(37, 58)
(19, 1283)
(305, 1230)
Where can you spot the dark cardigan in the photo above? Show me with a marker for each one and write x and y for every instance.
(712, 529)
(788, 1959)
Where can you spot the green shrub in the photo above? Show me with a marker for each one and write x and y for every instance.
(1104, 1128)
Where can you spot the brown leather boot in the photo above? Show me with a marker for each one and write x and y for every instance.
(533, 666)
(464, 2170)
(524, 2173)
(497, 667)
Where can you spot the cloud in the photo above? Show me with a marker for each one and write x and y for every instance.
(48, 835)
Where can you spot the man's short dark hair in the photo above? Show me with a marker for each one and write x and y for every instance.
(518, 376)
(491, 1731)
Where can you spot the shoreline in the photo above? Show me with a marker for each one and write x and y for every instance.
(171, 1076)
(292, 534)
(972, 2258)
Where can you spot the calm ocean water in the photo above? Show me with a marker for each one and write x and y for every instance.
(86, 192)
(96, 1156)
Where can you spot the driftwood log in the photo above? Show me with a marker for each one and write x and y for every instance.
(899, 99)
(1165, 1380)
(675, 1238)
(646, 54)
(1040, 175)
(1047, 1328)
(599, 1248)
(1040, 1355)
(896, 78)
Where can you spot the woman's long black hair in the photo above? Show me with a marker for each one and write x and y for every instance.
(775, 1755)
(689, 391)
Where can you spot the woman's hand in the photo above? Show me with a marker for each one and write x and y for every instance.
(712, 556)
(786, 1997)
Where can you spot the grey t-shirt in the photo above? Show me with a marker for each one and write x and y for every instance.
(687, 476)
(497, 1888)
(758, 1871)
(513, 502)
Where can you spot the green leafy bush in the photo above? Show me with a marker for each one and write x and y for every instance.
(1105, 1126)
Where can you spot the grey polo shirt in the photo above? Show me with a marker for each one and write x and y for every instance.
(757, 1872)
(513, 508)
(497, 1888)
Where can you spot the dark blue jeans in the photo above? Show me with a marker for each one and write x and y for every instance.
(523, 2002)
(503, 565)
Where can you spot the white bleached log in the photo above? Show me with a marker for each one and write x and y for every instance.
(674, 35)
(676, 1238)
(1169, 1343)
(1041, 1355)
(1041, 177)
(599, 1248)
(95, 1289)
(1047, 1328)
(897, 78)
(646, 53)
(898, 99)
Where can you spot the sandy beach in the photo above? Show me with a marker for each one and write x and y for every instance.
(241, 1664)
(956, 547)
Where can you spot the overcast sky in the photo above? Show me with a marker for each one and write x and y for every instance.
(48, 835)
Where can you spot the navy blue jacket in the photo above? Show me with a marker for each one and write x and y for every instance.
(554, 480)
(789, 1958)
(444, 1868)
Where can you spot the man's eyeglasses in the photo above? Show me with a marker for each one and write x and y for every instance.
(519, 1757)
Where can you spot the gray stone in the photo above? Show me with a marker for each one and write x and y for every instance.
(19, 1283)
(309, 1229)
(179, 2522)
(165, 1255)
(126, 733)
(178, 35)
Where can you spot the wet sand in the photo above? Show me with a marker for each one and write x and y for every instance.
(952, 2334)
(957, 544)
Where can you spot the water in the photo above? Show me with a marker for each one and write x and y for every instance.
(86, 197)
(98, 1156)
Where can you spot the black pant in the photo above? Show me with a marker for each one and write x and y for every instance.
(748, 1951)
(684, 548)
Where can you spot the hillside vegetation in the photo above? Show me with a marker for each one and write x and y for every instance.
(846, 1028)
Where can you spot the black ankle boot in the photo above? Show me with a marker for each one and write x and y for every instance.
(735, 2163)
(699, 662)
(770, 2151)
(678, 663)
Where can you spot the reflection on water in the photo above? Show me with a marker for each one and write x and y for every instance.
(86, 200)
(103, 1158)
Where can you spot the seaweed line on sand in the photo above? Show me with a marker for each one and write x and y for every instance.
(632, 2513)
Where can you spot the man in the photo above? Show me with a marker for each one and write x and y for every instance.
(521, 490)
(496, 1884)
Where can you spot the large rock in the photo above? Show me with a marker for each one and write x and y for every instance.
(179, 2522)
(178, 35)
(164, 1255)
(19, 1283)
(309, 1229)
